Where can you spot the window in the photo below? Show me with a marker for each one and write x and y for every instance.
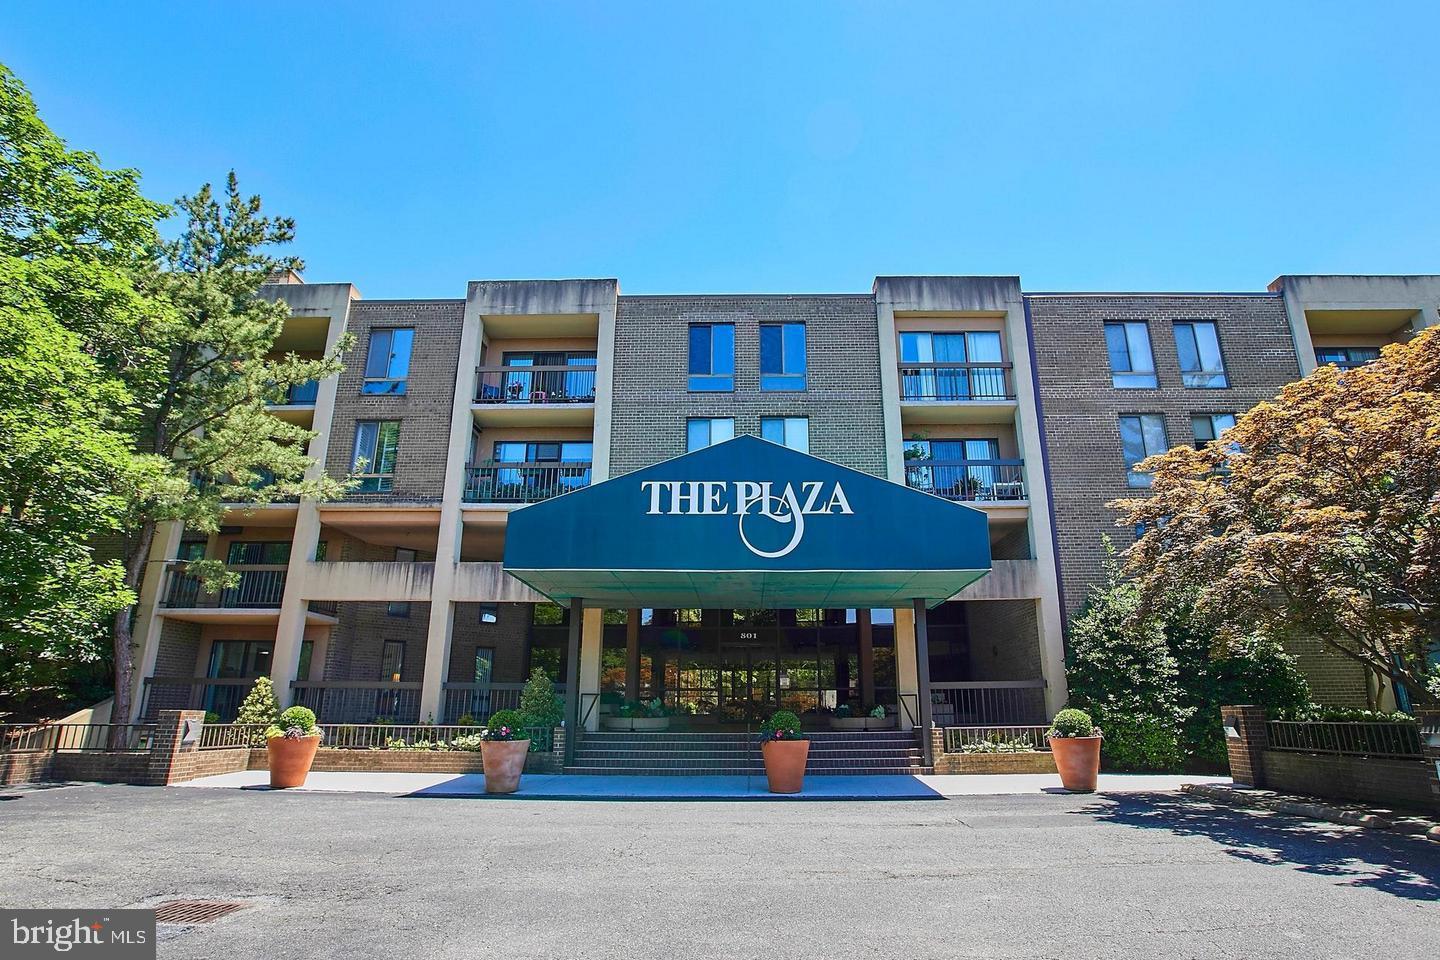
(792, 432)
(1141, 435)
(1198, 346)
(712, 356)
(307, 656)
(191, 550)
(701, 432)
(940, 371)
(1207, 427)
(272, 552)
(573, 451)
(373, 462)
(392, 660)
(1346, 358)
(782, 356)
(1132, 365)
(387, 365)
(484, 664)
(489, 613)
(569, 377)
(400, 608)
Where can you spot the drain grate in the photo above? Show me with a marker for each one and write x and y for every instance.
(195, 911)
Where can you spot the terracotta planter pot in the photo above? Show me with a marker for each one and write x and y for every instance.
(785, 764)
(504, 761)
(290, 760)
(1078, 760)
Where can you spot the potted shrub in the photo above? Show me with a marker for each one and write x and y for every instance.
(503, 746)
(291, 743)
(1075, 744)
(785, 750)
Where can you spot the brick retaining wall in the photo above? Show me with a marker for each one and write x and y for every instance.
(1404, 783)
(1039, 761)
(405, 761)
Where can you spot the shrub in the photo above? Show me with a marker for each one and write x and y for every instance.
(1070, 723)
(466, 720)
(211, 717)
(505, 725)
(644, 709)
(782, 725)
(539, 703)
(293, 724)
(878, 713)
(993, 744)
(260, 707)
(843, 711)
(469, 742)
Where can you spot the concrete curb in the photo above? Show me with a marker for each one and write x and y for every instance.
(1313, 809)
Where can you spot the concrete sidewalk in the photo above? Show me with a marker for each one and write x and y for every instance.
(572, 787)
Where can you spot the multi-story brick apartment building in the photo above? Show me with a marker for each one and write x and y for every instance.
(1031, 408)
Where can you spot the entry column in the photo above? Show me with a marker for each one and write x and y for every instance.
(572, 678)
(922, 669)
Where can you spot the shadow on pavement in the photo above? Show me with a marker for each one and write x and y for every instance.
(1399, 865)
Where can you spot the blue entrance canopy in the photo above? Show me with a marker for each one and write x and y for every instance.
(747, 523)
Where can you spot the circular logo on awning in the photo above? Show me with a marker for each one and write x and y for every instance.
(770, 521)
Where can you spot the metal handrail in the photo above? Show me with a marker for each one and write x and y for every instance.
(1390, 739)
(912, 716)
(500, 481)
(76, 737)
(544, 384)
(956, 381)
(967, 479)
(261, 586)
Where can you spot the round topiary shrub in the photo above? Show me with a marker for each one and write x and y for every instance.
(782, 725)
(1069, 723)
(302, 717)
(506, 725)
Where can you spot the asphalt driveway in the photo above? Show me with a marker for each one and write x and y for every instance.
(1140, 875)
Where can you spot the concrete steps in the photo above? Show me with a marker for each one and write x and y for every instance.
(738, 754)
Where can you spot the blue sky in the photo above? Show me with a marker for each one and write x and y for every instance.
(778, 146)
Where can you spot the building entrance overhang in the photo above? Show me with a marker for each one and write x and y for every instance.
(747, 523)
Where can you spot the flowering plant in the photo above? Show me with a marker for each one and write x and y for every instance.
(505, 725)
(782, 725)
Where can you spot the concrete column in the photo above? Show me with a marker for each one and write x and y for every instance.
(1049, 619)
(632, 655)
(572, 678)
(592, 633)
(890, 392)
(447, 546)
(148, 622)
(922, 665)
(907, 677)
(290, 631)
(867, 656)
(604, 382)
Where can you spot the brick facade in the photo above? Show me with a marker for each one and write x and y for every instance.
(842, 397)
(424, 410)
(1081, 408)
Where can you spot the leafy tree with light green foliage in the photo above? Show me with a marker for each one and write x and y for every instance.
(260, 707)
(73, 239)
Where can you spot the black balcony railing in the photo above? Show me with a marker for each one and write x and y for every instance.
(221, 696)
(350, 701)
(535, 385)
(968, 480)
(1010, 702)
(260, 586)
(500, 482)
(956, 381)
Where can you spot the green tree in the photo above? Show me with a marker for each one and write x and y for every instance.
(1156, 674)
(73, 239)
(538, 702)
(1121, 671)
(259, 706)
(1316, 516)
(202, 369)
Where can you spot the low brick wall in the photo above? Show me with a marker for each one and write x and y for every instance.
(24, 767)
(100, 767)
(405, 761)
(1403, 783)
(1040, 761)
(209, 763)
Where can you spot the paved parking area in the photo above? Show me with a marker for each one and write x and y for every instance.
(536, 786)
(1038, 875)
